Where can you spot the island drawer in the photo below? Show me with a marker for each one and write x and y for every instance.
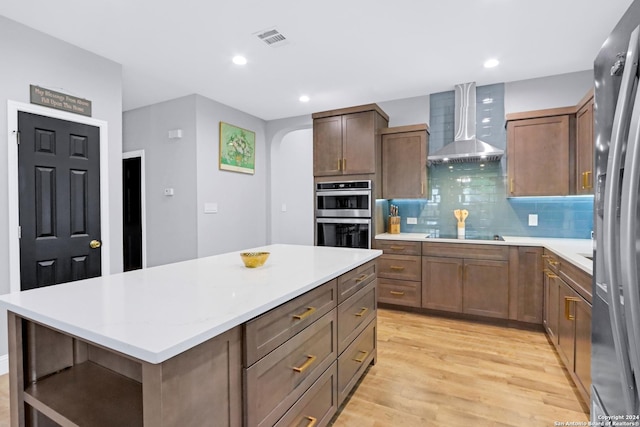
(400, 292)
(318, 405)
(355, 359)
(350, 282)
(266, 332)
(275, 382)
(354, 314)
(397, 247)
(402, 267)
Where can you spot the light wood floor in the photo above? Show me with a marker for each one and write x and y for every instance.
(441, 372)
(433, 371)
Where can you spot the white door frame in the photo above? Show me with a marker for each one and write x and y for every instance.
(143, 198)
(13, 107)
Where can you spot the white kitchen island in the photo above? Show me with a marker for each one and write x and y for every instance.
(167, 345)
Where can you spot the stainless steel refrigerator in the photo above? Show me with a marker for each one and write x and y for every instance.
(615, 362)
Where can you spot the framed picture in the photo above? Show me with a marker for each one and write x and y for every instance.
(237, 149)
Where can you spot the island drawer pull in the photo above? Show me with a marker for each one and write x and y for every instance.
(362, 312)
(312, 421)
(396, 293)
(361, 359)
(306, 364)
(396, 248)
(309, 311)
(396, 267)
(361, 278)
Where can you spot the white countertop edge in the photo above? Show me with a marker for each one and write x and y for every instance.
(570, 249)
(159, 356)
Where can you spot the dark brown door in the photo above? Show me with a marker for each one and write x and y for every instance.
(59, 178)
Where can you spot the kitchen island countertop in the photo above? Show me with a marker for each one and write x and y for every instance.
(573, 250)
(156, 313)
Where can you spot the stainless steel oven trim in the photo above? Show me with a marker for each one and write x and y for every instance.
(345, 192)
(343, 213)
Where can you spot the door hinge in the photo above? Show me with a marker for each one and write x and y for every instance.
(17, 132)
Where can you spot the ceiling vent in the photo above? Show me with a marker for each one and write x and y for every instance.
(272, 37)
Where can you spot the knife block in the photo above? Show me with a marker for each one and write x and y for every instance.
(394, 225)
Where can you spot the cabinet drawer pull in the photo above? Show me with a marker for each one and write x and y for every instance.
(546, 256)
(511, 186)
(362, 312)
(361, 278)
(422, 188)
(396, 268)
(339, 164)
(396, 248)
(588, 185)
(396, 293)
(308, 312)
(312, 421)
(584, 180)
(567, 307)
(361, 359)
(344, 164)
(553, 262)
(306, 364)
(550, 275)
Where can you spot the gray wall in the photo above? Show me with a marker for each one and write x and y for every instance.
(241, 221)
(31, 57)
(170, 163)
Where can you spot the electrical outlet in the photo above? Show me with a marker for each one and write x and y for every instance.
(411, 220)
(533, 220)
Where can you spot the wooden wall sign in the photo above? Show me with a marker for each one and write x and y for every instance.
(59, 101)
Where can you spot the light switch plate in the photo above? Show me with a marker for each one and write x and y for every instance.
(411, 220)
(533, 220)
(210, 208)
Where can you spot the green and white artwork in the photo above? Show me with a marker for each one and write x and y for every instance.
(237, 149)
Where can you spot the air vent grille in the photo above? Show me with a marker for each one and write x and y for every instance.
(272, 37)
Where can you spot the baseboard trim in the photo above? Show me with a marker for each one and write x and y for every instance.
(4, 364)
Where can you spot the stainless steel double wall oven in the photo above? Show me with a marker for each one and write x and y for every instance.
(343, 214)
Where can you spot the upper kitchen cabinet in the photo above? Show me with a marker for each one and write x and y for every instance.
(538, 148)
(404, 161)
(347, 141)
(584, 145)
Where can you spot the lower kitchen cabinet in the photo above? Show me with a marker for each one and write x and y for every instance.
(400, 273)
(303, 358)
(468, 278)
(527, 285)
(567, 318)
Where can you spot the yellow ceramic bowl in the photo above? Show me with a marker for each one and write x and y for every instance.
(254, 259)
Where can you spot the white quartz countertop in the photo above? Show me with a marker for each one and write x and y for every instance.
(157, 313)
(573, 250)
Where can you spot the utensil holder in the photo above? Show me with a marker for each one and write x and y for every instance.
(394, 225)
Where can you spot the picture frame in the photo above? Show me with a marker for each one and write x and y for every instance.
(237, 149)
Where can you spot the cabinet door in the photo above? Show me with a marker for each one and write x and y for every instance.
(404, 165)
(327, 146)
(566, 324)
(584, 149)
(538, 161)
(442, 283)
(485, 289)
(358, 143)
(583, 348)
(551, 304)
(530, 284)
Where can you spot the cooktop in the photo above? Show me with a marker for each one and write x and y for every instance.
(453, 236)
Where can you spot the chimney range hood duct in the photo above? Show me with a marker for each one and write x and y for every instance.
(466, 148)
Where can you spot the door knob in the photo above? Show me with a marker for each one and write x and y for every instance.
(94, 244)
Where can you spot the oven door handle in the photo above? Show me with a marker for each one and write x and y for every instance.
(343, 220)
(344, 193)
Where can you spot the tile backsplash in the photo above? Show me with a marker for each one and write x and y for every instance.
(480, 189)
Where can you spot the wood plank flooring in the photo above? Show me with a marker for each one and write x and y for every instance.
(435, 371)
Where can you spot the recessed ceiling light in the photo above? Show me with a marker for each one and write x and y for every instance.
(490, 63)
(304, 98)
(239, 60)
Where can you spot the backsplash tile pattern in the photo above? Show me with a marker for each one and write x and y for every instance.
(481, 190)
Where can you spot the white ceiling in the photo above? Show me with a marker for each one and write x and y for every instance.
(340, 52)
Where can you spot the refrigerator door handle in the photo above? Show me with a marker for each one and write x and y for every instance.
(611, 231)
(628, 251)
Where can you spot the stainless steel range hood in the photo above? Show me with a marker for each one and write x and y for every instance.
(466, 147)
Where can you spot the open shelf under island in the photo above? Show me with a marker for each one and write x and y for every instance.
(200, 342)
